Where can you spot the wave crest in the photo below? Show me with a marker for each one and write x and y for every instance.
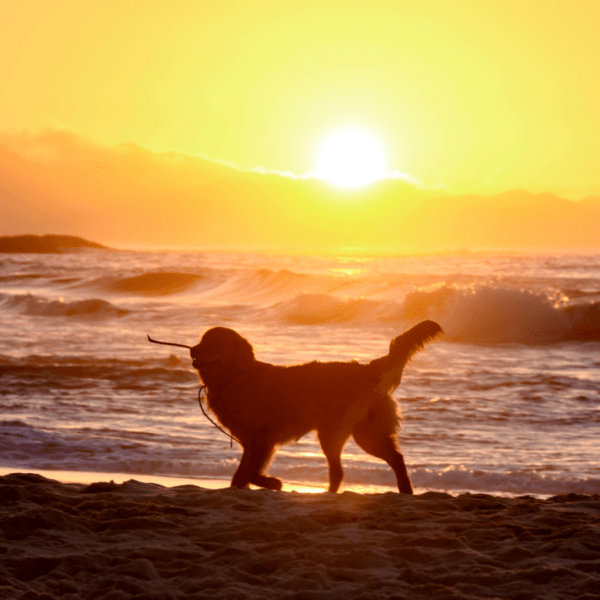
(477, 314)
(35, 306)
(314, 309)
(497, 314)
(153, 283)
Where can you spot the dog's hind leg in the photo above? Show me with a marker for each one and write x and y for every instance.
(332, 443)
(376, 434)
(254, 459)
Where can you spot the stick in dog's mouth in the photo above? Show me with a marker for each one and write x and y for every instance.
(168, 343)
(195, 363)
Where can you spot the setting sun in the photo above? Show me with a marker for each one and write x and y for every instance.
(351, 158)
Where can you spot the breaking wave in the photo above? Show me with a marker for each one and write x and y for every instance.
(477, 312)
(35, 306)
(492, 315)
(481, 315)
(159, 283)
(313, 309)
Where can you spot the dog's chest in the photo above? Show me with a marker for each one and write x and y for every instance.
(231, 405)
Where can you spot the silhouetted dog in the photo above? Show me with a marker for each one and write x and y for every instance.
(265, 405)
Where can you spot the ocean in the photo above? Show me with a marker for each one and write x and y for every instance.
(507, 402)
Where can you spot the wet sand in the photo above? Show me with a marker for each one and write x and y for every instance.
(145, 540)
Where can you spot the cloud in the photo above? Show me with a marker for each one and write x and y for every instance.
(53, 146)
(58, 182)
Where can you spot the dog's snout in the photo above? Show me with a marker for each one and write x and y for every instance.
(200, 359)
(196, 355)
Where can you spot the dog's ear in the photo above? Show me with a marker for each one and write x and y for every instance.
(244, 350)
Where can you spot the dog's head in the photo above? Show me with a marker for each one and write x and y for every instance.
(221, 351)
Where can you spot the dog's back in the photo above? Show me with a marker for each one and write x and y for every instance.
(302, 398)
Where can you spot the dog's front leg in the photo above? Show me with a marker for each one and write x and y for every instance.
(254, 459)
(241, 477)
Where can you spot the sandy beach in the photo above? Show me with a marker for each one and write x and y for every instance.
(143, 540)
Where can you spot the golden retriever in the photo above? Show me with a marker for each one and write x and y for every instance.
(265, 405)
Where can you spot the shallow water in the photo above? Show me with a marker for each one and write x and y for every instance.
(508, 401)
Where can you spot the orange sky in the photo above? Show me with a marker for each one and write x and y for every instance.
(479, 97)
(124, 195)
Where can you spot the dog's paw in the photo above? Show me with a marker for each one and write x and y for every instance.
(270, 483)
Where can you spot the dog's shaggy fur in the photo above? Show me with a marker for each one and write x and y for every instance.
(265, 405)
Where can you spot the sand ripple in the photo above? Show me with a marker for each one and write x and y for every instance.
(139, 540)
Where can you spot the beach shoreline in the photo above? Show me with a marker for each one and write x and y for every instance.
(88, 477)
(145, 540)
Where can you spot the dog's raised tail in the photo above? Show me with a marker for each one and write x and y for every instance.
(403, 347)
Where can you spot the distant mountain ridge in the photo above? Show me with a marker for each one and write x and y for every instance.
(46, 244)
(129, 195)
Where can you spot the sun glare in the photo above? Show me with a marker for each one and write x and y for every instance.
(351, 158)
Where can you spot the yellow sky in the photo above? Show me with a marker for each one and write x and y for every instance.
(478, 96)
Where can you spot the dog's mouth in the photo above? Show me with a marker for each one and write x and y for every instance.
(198, 363)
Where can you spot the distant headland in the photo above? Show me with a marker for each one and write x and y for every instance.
(46, 244)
